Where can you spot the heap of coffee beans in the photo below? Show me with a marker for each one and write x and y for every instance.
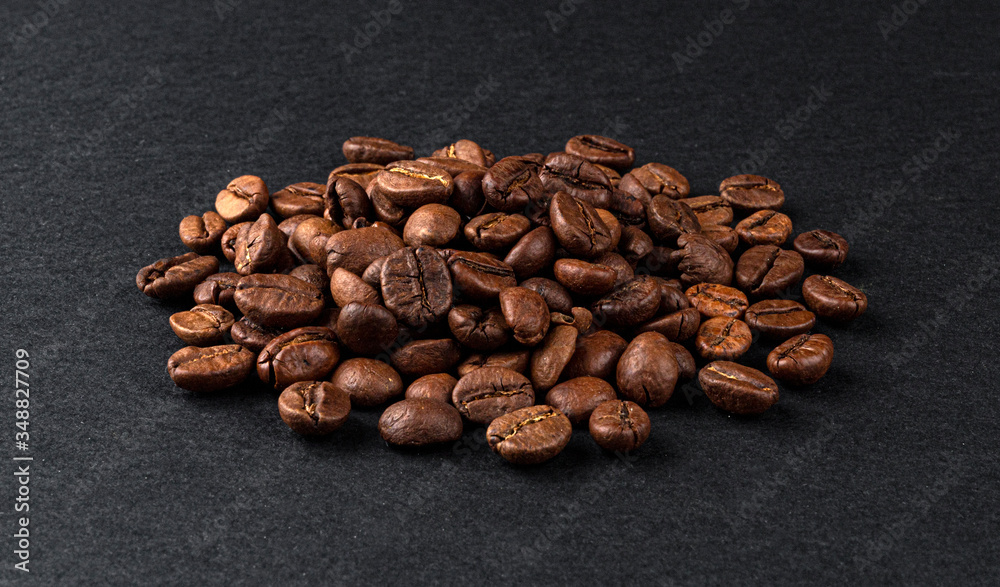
(529, 294)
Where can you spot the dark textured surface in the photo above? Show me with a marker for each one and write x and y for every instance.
(119, 121)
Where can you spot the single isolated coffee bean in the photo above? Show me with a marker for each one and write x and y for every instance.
(175, 277)
(496, 231)
(490, 392)
(714, 300)
(765, 227)
(202, 233)
(369, 382)
(367, 329)
(302, 354)
(584, 278)
(433, 225)
(299, 198)
(619, 426)
(723, 338)
(423, 357)
(203, 369)
(577, 397)
(596, 355)
(278, 301)
(736, 388)
(578, 227)
(478, 329)
(601, 150)
(416, 286)
(420, 422)
(534, 253)
(801, 360)
(244, 199)
(647, 371)
(375, 150)
(252, 335)
(766, 270)
(577, 177)
(530, 435)
(412, 184)
(822, 248)
(436, 386)
(526, 314)
(202, 325)
(314, 408)
(833, 298)
(751, 193)
(780, 318)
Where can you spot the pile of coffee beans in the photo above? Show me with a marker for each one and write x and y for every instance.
(529, 294)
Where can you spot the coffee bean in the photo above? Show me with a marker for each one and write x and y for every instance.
(752, 193)
(601, 150)
(766, 270)
(765, 227)
(309, 239)
(530, 435)
(420, 422)
(360, 173)
(314, 408)
(676, 326)
(202, 325)
(433, 225)
(244, 199)
(556, 297)
(833, 298)
(479, 277)
(526, 313)
(314, 275)
(549, 359)
(736, 388)
(346, 287)
(259, 247)
(657, 178)
(512, 184)
(672, 298)
(596, 355)
(303, 354)
(422, 357)
(278, 301)
(218, 289)
(822, 248)
(345, 201)
(176, 276)
(229, 237)
(515, 360)
(252, 335)
(613, 176)
(369, 382)
(647, 371)
(412, 184)
(534, 253)
(685, 361)
(713, 300)
(490, 392)
(211, 368)
(385, 209)
(375, 150)
(467, 198)
(780, 318)
(723, 338)
(202, 233)
(436, 386)
(355, 250)
(623, 269)
(723, 236)
(578, 227)
(628, 209)
(416, 286)
(614, 227)
(668, 219)
(464, 150)
(478, 329)
(710, 210)
(577, 177)
(584, 278)
(802, 359)
(299, 198)
(367, 329)
(700, 260)
(451, 165)
(496, 230)
(619, 426)
(630, 304)
(577, 397)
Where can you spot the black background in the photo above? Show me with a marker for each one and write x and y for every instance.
(120, 120)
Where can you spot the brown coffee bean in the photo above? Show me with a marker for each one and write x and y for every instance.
(416, 286)
(766, 270)
(577, 177)
(700, 260)
(278, 301)
(218, 289)
(582, 319)
(496, 230)
(385, 209)
(360, 173)
(465, 150)
(478, 276)
(577, 397)
(229, 237)
(251, 335)
(710, 210)
(452, 165)
(299, 198)
(375, 150)
(467, 198)
(423, 357)
(303, 354)
(490, 392)
(601, 150)
(780, 318)
(723, 338)
(367, 329)
(669, 219)
(596, 355)
(314, 408)
(723, 236)
(677, 326)
(657, 178)
(346, 201)
(368, 382)
(210, 368)
(309, 239)
(433, 225)
(578, 227)
(534, 253)
(647, 371)
(736, 388)
(420, 422)
(619, 426)
(346, 287)
(549, 359)
(515, 360)
(202, 234)
(512, 184)
(672, 298)
(315, 276)
(623, 269)
(765, 227)
(175, 277)
(822, 248)
(685, 361)
(833, 299)
(259, 247)
(355, 250)
(630, 304)
(529, 436)
(244, 199)
(436, 386)
(584, 278)
(712, 300)
(801, 360)
(635, 244)
(202, 325)
(630, 185)
(613, 176)
(478, 329)
(526, 314)
(556, 296)
(412, 184)
(752, 193)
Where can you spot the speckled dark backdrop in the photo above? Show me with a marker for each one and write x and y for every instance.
(120, 119)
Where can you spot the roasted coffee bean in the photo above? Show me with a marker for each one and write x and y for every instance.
(766, 270)
(479, 277)
(657, 178)
(614, 227)
(252, 335)
(478, 329)
(314, 276)
(375, 150)
(584, 278)
(623, 269)
(765, 227)
(176, 276)
(596, 355)
(513, 184)
(278, 301)
(299, 198)
(288, 226)
(202, 325)
(714, 300)
(723, 338)
(490, 392)
(801, 360)
(630, 304)
(420, 422)
(465, 150)
(496, 230)
(202, 234)
(244, 199)
(577, 397)
(346, 201)
(549, 359)
(672, 298)
(619, 426)
(534, 253)
(710, 210)
(723, 236)
(309, 239)
(578, 227)
(433, 225)
(229, 237)
(583, 319)
(700, 260)
(369, 382)
(423, 357)
(780, 318)
(467, 198)
(647, 370)
(436, 386)
(752, 193)
(314, 408)
(601, 150)
(346, 287)
(416, 286)
(629, 184)
(355, 250)
(525, 313)
(669, 219)
(451, 165)
(385, 209)
(360, 173)
(659, 262)
(530, 435)
(372, 275)
(367, 329)
(515, 360)
(303, 354)
(736, 388)
(833, 298)
(676, 326)
(577, 177)
(210, 368)
(635, 244)
(259, 247)
(218, 289)
(685, 361)
(412, 184)
(613, 176)
(556, 297)
(822, 248)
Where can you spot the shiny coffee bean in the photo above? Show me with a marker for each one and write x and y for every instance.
(780, 318)
(672, 298)
(496, 231)
(765, 227)
(367, 329)
(375, 150)
(578, 227)
(577, 397)
(736, 388)
(710, 210)
(530, 435)
(355, 250)
(556, 297)
(801, 360)
(619, 426)
(451, 165)
(416, 286)
(423, 357)
(723, 236)
(202, 234)
(303, 354)
(647, 371)
(596, 355)
(259, 248)
(412, 184)
(723, 338)
(467, 198)
(516, 360)
(526, 314)
(685, 361)
(176, 276)
(490, 392)
(766, 270)
(211, 368)
(367, 381)
(299, 198)
(700, 260)
(360, 173)
(822, 248)
(752, 193)
(623, 269)
(577, 177)
(478, 329)
(677, 326)
(479, 277)
(314, 275)
(512, 184)
(244, 199)
(314, 408)
(346, 201)
(386, 210)
(657, 179)
(465, 150)
(228, 242)
(533, 253)
(601, 150)
(613, 176)
(552, 356)
(668, 219)
(309, 239)
(833, 298)
(584, 278)
(634, 244)
(433, 225)
(420, 422)
(436, 386)
(278, 301)
(714, 300)
(630, 304)
(202, 325)
(252, 335)
(614, 227)
(346, 287)
(218, 289)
